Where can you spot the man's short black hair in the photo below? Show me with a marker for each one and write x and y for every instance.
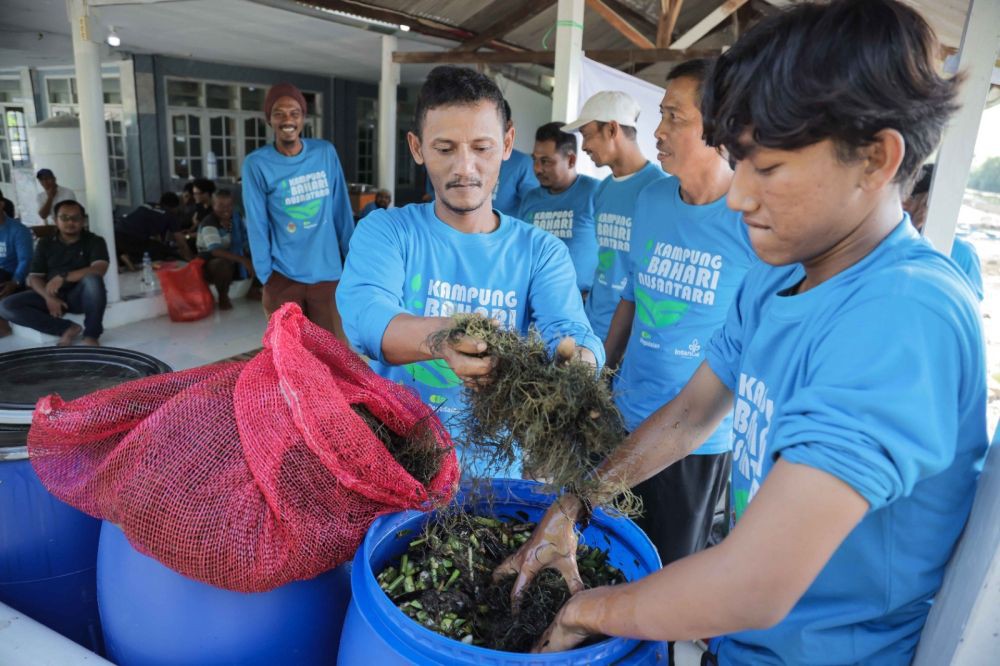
(68, 202)
(448, 85)
(698, 69)
(169, 200)
(223, 194)
(189, 187)
(204, 184)
(842, 71)
(565, 141)
(508, 115)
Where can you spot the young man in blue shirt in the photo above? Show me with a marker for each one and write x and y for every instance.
(564, 203)
(15, 257)
(689, 255)
(607, 124)
(410, 269)
(299, 219)
(852, 360)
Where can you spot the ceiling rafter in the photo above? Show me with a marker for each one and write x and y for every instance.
(615, 14)
(707, 24)
(606, 56)
(416, 23)
(669, 11)
(528, 10)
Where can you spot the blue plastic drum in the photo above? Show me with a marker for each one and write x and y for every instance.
(48, 550)
(153, 616)
(376, 632)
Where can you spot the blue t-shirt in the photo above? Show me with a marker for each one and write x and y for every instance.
(298, 216)
(964, 254)
(406, 260)
(517, 178)
(877, 377)
(569, 216)
(684, 267)
(16, 249)
(614, 205)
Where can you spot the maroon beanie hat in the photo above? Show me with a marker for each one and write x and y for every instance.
(280, 90)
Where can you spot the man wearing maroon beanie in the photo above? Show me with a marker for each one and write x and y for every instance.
(299, 219)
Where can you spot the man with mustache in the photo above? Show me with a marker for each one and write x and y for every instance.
(299, 218)
(564, 203)
(410, 269)
(689, 254)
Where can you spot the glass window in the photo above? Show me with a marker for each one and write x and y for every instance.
(183, 93)
(17, 134)
(252, 98)
(312, 103)
(10, 90)
(186, 146)
(254, 134)
(222, 146)
(61, 91)
(367, 127)
(117, 159)
(220, 97)
(112, 90)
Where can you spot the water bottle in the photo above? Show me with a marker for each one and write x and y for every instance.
(148, 282)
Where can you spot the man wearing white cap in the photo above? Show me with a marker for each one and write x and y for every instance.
(607, 123)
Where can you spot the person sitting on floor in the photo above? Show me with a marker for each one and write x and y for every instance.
(221, 244)
(67, 275)
(15, 258)
(146, 230)
(383, 198)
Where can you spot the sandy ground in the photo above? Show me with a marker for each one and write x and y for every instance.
(979, 223)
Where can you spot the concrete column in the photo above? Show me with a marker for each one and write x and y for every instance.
(387, 117)
(93, 138)
(569, 54)
(976, 58)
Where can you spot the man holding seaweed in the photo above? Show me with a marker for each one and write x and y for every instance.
(853, 354)
(410, 269)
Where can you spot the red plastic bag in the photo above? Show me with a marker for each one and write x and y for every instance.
(186, 290)
(244, 475)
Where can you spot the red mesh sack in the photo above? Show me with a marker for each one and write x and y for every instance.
(186, 290)
(243, 475)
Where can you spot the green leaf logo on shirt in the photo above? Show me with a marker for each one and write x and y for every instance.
(436, 374)
(305, 211)
(740, 500)
(416, 282)
(658, 314)
(605, 260)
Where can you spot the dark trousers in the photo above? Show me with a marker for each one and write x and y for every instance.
(679, 504)
(316, 300)
(88, 296)
(220, 271)
(134, 247)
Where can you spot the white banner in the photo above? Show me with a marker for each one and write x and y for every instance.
(596, 77)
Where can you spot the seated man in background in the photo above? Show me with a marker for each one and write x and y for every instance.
(147, 228)
(564, 204)
(67, 275)
(221, 244)
(15, 258)
(383, 198)
(51, 194)
(963, 252)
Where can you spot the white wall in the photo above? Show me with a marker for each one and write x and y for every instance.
(530, 110)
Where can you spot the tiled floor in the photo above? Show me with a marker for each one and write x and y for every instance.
(183, 345)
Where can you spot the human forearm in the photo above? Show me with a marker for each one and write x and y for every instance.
(98, 268)
(619, 332)
(671, 432)
(407, 338)
(37, 284)
(46, 207)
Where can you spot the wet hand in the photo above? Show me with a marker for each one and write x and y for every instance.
(567, 350)
(468, 358)
(565, 633)
(552, 546)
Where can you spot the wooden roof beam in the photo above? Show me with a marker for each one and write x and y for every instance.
(707, 24)
(608, 56)
(417, 24)
(614, 16)
(669, 11)
(528, 10)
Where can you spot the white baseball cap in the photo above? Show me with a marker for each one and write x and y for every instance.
(604, 107)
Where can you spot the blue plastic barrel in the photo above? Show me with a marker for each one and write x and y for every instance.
(48, 550)
(154, 616)
(376, 632)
